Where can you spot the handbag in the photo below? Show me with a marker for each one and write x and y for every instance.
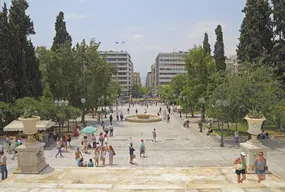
(238, 166)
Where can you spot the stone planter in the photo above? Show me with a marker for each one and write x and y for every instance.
(30, 125)
(254, 125)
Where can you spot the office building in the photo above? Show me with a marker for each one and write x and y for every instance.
(148, 80)
(136, 78)
(122, 60)
(152, 80)
(167, 66)
(232, 65)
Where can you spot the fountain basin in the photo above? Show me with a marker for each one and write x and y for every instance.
(143, 118)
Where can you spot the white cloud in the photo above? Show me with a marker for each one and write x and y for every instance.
(75, 16)
(137, 37)
(197, 30)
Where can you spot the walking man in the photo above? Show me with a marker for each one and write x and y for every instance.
(111, 118)
(154, 135)
(236, 139)
(59, 151)
(3, 165)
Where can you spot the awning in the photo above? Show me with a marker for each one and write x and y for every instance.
(18, 126)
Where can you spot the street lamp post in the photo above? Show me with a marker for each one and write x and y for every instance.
(223, 104)
(83, 101)
(107, 99)
(61, 103)
(202, 102)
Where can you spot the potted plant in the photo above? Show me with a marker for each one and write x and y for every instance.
(29, 120)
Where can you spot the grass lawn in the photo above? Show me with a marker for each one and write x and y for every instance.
(242, 128)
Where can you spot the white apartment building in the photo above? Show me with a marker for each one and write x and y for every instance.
(125, 69)
(167, 66)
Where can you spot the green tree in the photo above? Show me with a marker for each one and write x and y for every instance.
(200, 69)
(32, 70)
(7, 82)
(21, 27)
(206, 44)
(278, 52)
(256, 32)
(61, 35)
(219, 51)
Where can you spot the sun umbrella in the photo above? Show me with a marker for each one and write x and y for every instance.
(89, 130)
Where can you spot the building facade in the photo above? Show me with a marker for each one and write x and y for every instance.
(152, 80)
(148, 80)
(167, 66)
(136, 78)
(122, 60)
(233, 66)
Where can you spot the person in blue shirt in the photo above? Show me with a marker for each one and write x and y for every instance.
(90, 163)
(59, 148)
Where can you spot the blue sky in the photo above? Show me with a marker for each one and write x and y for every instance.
(146, 26)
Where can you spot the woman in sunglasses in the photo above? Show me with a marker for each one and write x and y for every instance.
(260, 167)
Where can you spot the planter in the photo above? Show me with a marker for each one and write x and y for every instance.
(254, 125)
(30, 125)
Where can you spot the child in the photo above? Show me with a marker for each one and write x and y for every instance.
(90, 163)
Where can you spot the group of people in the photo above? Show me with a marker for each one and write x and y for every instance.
(100, 154)
(260, 167)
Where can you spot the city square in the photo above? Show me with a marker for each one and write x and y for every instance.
(181, 159)
(142, 95)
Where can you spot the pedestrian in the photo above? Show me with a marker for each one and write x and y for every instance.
(1, 148)
(111, 155)
(103, 155)
(236, 138)
(121, 116)
(117, 115)
(78, 154)
(59, 151)
(69, 140)
(3, 165)
(8, 144)
(154, 135)
(90, 163)
(111, 131)
(136, 111)
(142, 148)
(132, 153)
(111, 118)
(85, 144)
(97, 156)
(93, 139)
(128, 110)
(168, 118)
(240, 167)
(260, 167)
(101, 139)
(106, 129)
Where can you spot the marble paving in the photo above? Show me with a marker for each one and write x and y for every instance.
(210, 179)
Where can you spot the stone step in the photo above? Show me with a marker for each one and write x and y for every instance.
(118, 187)
(191, 179)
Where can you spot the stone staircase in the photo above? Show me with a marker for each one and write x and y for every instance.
(199, 179)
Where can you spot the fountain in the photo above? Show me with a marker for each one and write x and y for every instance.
(143, 118)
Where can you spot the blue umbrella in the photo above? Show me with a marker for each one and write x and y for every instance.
(89, 130)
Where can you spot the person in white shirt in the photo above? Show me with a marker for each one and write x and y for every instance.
(236, 138)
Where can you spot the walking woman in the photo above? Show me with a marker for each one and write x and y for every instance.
(111, 155)
(260, 167)
(103, 155)
(142, 149)
(240, 166)
(132, 153)
(97, 156)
